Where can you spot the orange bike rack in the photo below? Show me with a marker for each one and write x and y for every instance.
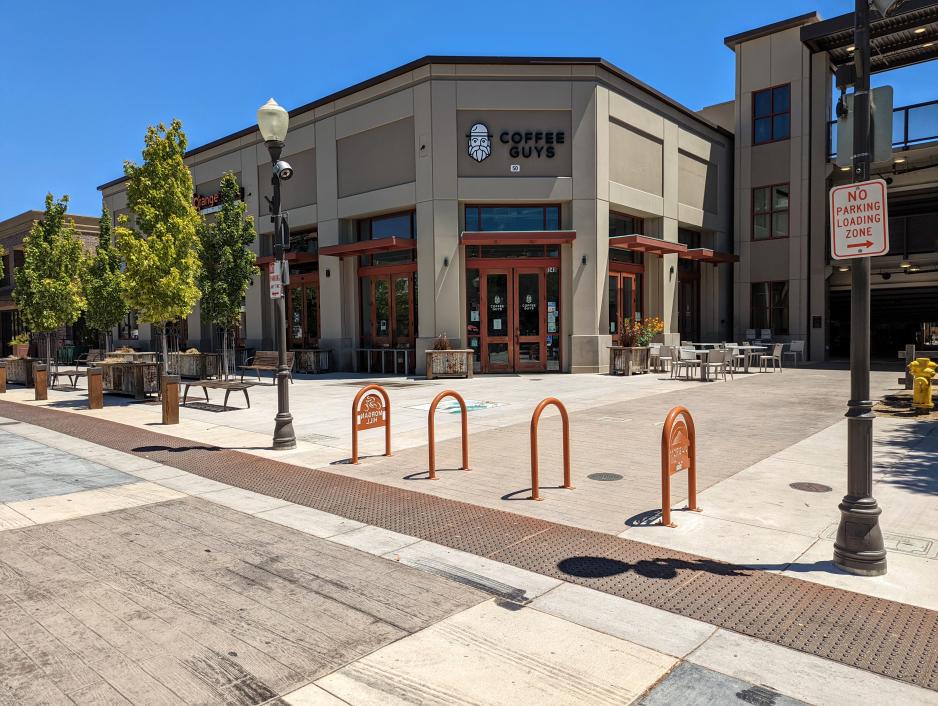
(371, 415)
(535, 495)
(465, 430)
(678, 453)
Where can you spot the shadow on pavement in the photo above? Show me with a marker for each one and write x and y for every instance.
(594, 567)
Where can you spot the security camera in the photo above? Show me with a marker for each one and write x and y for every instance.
(283, 170)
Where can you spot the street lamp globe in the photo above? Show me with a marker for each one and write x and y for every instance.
(273, 121)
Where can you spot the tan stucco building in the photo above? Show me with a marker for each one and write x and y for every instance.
(522, 206)
(786, 280)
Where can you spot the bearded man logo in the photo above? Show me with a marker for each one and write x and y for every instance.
(480, 142)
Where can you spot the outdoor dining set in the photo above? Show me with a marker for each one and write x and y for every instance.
(711, 360)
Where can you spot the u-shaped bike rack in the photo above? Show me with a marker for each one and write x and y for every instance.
(678, 453)
(432, 435)
(370, 416)
(535, 495)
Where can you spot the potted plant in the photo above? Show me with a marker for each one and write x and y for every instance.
(20, 343)
(444, 360)
(633, 352)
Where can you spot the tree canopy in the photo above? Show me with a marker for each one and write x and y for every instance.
(48, 286)
(227, 260)
(160, 247)
(104, 281)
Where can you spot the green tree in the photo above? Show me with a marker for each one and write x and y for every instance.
(227, 262)
(104, 283)
(160, 250)
(48, 286)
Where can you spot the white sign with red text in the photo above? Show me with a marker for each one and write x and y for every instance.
(276, 283)
(859, 221)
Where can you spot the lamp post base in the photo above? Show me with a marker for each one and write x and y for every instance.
(859, 548)
(284, 438)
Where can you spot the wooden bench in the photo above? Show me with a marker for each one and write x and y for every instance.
(227, 385)
(94, 355)
(267, 360)
(72, 375)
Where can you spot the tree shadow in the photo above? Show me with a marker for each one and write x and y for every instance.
(593, 567)
(69, 404)
(648, 518)
(210, 407)
(917, 469)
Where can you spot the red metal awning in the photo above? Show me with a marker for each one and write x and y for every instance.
(521, 237)
(645, 243)
(369, 247)
(714, 257)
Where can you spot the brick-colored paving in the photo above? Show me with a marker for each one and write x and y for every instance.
(881, 636)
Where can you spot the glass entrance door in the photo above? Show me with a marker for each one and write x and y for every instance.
(303, 308)
(388, 310)
(623, 300)
(530, 327)
(514, 320)
(498, 353)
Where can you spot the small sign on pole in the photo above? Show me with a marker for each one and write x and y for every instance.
(859, 220)
(276, 283)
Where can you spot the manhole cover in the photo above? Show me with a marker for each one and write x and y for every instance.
(604, 476)
(811, 487)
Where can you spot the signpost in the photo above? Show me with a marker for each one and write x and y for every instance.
(859, 222)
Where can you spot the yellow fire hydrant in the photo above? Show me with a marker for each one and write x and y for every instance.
(923, 370)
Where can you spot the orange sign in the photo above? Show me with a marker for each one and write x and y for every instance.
(678, 453)
(372, 413)
(371, 408)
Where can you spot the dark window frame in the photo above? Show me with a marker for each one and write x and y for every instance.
(364, 232)
(770, 213)
(773, 324)
(543, 206)
(771, 115)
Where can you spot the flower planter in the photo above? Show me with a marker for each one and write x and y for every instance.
(451, 364)
(128, 378)
(20, 350)
(200, 366)
(628, 360)
(20, 370)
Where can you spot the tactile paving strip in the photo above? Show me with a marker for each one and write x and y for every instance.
(885, 637)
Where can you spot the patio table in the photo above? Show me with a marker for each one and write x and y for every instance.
(704, 355)
(749, 350)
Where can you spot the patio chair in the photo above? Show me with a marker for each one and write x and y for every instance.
(794, 350)
(654, 350)
(774, 358)
(665, 358)
(717, 363)
(687, 360)
(750, 334)
(735, 358)
(765, 334)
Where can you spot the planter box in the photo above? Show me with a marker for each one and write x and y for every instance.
(450, 364)
(628, 360)
(20, 370)
(137, 379)
(133, 357)
(21, 350)
(313, 360)
(200, 366)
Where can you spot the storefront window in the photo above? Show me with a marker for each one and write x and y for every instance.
(127, 330)
(400, 225)
(771, 114)
(770, 212)
(512, 218)
(473, 316)
(306, 241)
(769, 307)
(622, 224)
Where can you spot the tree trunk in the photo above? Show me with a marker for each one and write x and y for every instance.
(165, 346)
(49, 350)
(224, 351)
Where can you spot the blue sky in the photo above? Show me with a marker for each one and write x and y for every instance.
(82, 80)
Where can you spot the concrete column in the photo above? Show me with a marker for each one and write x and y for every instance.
(661, 276)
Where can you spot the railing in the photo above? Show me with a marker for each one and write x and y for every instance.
(911, 125)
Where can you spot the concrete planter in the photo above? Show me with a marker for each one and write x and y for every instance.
(451, 364)
(20, 370)
(628, 360)
(20, 350)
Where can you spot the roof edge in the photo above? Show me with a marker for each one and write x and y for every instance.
(735, 39)
(461, 60)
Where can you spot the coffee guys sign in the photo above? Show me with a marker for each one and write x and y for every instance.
(520, 144)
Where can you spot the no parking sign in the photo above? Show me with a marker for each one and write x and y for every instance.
(859, 221)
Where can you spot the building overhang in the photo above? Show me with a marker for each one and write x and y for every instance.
(894, 42)
(369, 247)
(714, 257)
(646, 244)
(521, 237)
(292, 257)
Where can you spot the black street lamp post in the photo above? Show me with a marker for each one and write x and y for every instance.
(859, 546)
(273, 122)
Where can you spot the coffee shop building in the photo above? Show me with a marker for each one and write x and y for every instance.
(523, 207)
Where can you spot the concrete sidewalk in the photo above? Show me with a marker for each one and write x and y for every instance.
(226, 551)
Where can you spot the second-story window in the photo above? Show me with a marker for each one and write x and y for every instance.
(771, 114)
(770, 212)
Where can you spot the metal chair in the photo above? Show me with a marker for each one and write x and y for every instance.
(735, 358)
(765, 334)
(794, 350)
(686, 360)
(775, 358)
(750, 334)
(716, 363)
(665, 358)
